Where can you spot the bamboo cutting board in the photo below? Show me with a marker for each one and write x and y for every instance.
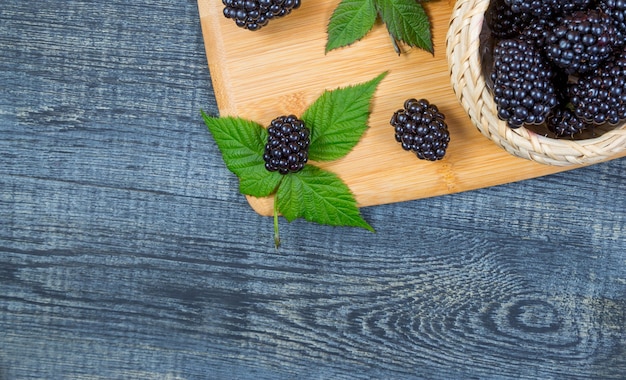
(283, 68)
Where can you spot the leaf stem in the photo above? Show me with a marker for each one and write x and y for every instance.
(394, 43)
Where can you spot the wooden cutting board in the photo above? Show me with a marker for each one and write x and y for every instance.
(283, 68)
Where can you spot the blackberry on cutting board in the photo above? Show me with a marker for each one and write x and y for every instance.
(600, 96)
(255, 14)
(287, 147)
(421, 128)
(523, 86)
(582, 41)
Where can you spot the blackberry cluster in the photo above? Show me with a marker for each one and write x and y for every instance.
(421, 128)
(616, 9)
(582, 41)
(255, 14)
(546, 8)
(564, 122)
(522, 83)
(536, 8)
(287, 147)
(503, 22)
(600, 96)
(557, 63)
(535, 31)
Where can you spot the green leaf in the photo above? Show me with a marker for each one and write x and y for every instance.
(318, 196)
(338, 119)
(242, 143)
(406, 21)
(350, 22)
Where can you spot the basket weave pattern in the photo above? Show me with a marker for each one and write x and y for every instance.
(464, 60)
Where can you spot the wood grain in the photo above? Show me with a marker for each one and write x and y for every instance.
(126, 251)
(283, 68)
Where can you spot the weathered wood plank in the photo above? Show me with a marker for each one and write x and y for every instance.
(126, 252)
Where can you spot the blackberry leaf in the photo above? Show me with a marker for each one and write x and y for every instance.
(241, 143)
(338, 119)
(350, 22)
(318, 196)
(406, 21)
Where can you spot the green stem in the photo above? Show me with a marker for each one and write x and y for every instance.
(276, 235)
(394, 42)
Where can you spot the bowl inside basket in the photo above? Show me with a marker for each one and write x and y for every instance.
(487, 43)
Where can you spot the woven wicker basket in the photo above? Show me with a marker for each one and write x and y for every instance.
(463, 48)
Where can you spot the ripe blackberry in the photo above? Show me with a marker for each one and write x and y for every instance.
(536, 8)
(287, 147)
(255, 14)
(535, 31)
(616, 9)
(582, 41)
(421, 128)
(502, 21)
(564, 122)
(600, 96)
(567, 7)
(523, 86)
(547, 9)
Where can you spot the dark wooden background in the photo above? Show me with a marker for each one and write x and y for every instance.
(126, 251)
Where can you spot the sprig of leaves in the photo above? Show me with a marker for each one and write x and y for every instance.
(406, 21)
(337, 120)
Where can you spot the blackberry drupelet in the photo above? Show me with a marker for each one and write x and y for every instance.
(600, 96)
(421, 128)
(287, 147)
(255, 14)
(582, 41)
(523, 86)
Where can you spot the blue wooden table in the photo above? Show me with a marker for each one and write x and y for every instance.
(126, 251)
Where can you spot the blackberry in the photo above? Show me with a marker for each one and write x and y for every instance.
(287, 147)
(535, 31)
(502, 21)
(617, 10)
(564, 122)
(547, 9)
(536, 8)
(421, 128)
(582, 41)
(255, 14)
(523, 86)
(567, 7)
(600, 96)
